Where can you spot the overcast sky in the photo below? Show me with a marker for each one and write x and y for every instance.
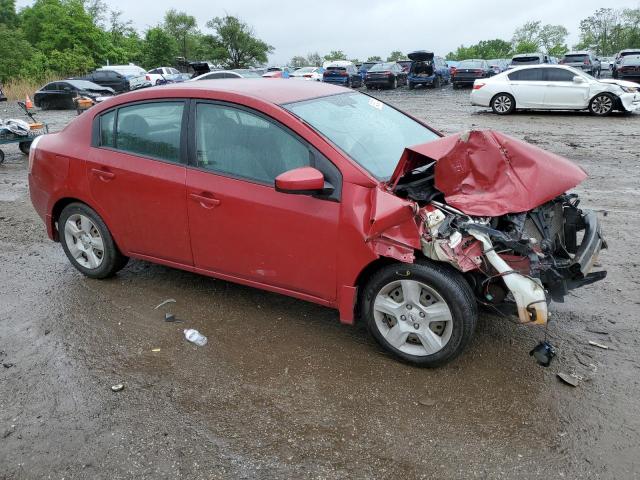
(362, 28)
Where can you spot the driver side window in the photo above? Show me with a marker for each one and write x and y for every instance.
(237, 143)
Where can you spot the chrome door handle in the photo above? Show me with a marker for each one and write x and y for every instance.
(204, 201)
(103, 174)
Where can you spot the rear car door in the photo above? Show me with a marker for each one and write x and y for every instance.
(528, 87)
(562, 92)
(241, 227)
(136, 172)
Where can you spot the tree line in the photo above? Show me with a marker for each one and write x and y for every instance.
(605, 33)
(70, 37)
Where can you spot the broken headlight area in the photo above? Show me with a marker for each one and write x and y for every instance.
(517, 260)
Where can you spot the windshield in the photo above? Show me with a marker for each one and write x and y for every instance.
(372, 133)
(575, 58)
(525, 61)
(470, 64)
(247, 73)
(381, 67)
(85, 85)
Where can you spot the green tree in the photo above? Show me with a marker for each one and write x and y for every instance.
(553, 39)
(335, 55)
(15, 52)
(374, 58)
(160, 48)
(395, 56)
(234, 43)
(59, 25)
(314, 59)
(602, 32)
(182, 26)
(298, 61)
(486, 49)
(8, 14)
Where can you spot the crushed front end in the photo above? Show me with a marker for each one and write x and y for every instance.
(496, 209)
(517, 261)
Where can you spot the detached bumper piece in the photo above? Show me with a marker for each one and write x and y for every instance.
(577, 271)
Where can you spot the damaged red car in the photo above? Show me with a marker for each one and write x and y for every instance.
(324, 194)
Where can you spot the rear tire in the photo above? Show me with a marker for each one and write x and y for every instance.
(87, 242)
(411, 86)
(602, 104)
(430, 306)
(436, 82)
(394, 84)
(1, 157)
(503, 104)
(24, 147)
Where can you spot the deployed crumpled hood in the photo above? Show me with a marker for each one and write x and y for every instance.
(487, 173)
(622, 83)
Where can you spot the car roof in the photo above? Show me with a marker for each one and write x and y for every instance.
(272, 91)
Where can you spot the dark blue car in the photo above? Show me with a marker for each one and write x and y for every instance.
(342, 73)
(427, 70)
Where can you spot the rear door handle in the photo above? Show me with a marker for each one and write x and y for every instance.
(204, 201)
(103, 174)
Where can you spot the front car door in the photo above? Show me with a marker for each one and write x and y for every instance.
(136, 172)
(241, 227)
(528, 87)
(562, 92)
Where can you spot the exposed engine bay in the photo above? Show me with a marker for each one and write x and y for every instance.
(479, 206)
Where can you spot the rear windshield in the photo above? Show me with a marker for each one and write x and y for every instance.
(525, 60)
(341, 69)
(635, 52)
(631, 60)
(380, 67)
(575, 58)
(470, 64)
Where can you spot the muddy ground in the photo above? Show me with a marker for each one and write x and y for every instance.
(283, 390)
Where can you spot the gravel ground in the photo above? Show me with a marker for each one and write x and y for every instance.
(283, 390)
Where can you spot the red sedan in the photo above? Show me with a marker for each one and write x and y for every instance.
(324, 194)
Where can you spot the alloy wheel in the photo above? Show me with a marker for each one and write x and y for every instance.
(413, 317)
(84, 241)
(602, 104)
(502, 104)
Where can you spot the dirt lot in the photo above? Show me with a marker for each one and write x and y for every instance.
(283, 390)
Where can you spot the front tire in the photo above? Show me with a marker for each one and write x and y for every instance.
(602, 104)
(25, 147)
(423, 313)
(87, 242)
(503, 104)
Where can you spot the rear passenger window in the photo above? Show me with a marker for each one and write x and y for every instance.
(107, 124)
(529, 74)
(559, 75)
(238, 143)
(151, 130)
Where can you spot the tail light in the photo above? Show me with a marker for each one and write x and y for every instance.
(586, 61)
(344, 74)
(307, 75)
(147, 78)
(453, 70)
(32, 151)
(562, 62)
(478, 86)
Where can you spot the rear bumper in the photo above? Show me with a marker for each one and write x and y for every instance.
(336, 80)
(421, 80)
(378, 81)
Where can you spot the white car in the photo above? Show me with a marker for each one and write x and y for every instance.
(308, 73)
(160, 75)
(554, 87)
(218, 74)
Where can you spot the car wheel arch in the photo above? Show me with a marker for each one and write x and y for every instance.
(63, 202)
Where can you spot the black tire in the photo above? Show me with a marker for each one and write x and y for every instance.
(112, 259)
(368, 86)
(436, 82)
(455, 85)
(394, 83)
(411, 85)
(503, 104)
(602, 104)
(349, 83)
(25, 147)
(446, 282)
(1, 157)
(45, 105)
